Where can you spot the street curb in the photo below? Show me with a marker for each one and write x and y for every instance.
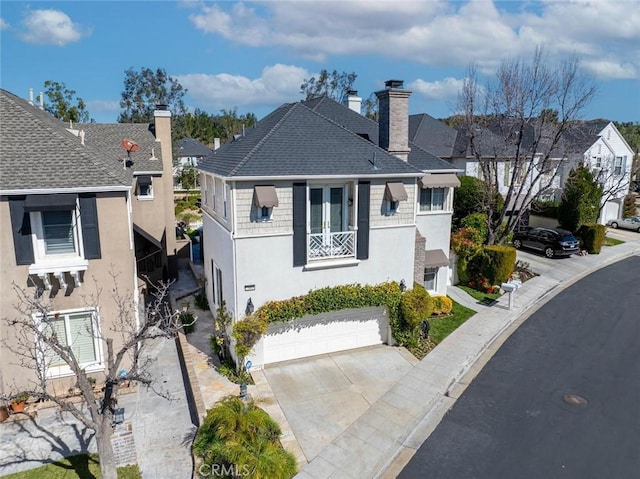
(470, 369)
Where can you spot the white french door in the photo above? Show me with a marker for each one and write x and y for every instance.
(328, 222)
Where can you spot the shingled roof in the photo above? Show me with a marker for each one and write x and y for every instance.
(190, 147)
(107, 137)
(298, 141)
(432, 135)
(38, 153)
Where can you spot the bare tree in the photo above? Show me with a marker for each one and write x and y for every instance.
(517, 127)
(37, 347)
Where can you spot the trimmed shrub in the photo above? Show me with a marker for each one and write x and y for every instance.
(416, 306)
(442, 304)
(500, 262)
(592, 237)
(477, 221)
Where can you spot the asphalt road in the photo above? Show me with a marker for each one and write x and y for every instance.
(513, 421)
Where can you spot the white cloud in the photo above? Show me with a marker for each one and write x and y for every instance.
(102, 105)
(438, 32)
(611, 69)
(51, 27)
(446, 89)
(3, 24)
(277, 84)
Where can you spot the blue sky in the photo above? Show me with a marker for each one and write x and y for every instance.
(254, 55)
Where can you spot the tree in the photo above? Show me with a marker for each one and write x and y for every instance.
(62, 103)
(37, 346)
(205, 127)
(468, 198)
(580, 202)
(512, 121)
(334, 85)
(370, 107)
(189, 178)
(144, 90)
(629, 206)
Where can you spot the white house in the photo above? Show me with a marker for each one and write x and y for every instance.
(316, 195)
(607, 154)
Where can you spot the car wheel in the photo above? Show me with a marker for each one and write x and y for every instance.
(614, 225)
(638, 230)
(548, 252)
(517, 244)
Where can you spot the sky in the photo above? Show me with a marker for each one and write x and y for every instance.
(253, 56)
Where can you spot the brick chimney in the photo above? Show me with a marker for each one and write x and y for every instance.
(393, 104)
(353, 101)
(162, 120)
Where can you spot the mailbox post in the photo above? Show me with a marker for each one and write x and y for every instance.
(511, 288)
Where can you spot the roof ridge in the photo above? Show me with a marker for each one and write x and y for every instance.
(270, 133)
(55, 129)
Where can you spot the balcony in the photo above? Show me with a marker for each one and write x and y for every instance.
(341, 244)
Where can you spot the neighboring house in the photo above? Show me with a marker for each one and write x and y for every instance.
(315, 195)
(143, 154)
(66, 227)
(605, 152)
(188, 153)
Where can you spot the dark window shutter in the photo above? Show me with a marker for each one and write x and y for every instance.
(299, 224)
(363, 220)
(21, 229)
(90, 233)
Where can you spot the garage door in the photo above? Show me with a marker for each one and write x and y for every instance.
(326, 333)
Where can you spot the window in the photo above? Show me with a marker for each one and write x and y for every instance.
(225, 212)
(213, 194)
(431, 279)
(265, 198)
(617, 166)
(79, 330)
(264, 213)
(507, 174)
(217, 285)
(432, 199)
(57, 232)
(392, 207)
(145, 187)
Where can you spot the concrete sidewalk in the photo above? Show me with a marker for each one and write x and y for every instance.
(385, 437)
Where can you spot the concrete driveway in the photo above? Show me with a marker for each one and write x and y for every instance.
(322, 395)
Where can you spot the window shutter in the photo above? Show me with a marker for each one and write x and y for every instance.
(90, 233)
(21, 229)
(363, 220)
(299, 224)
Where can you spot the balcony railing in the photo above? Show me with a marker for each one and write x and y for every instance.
(332, 245)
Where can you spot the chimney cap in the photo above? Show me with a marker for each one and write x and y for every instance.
(161, 106)
(352, 92)
(394, 84)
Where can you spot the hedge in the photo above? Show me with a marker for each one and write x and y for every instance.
(500, 262)
(592, 237)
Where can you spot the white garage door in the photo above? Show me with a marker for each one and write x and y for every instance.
(325, 333)
(610, 211)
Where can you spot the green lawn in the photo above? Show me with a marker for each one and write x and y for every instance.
(479, 295)
(611, 241)
(82, 466)
(442, 327)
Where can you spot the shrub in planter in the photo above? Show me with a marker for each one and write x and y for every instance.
(188, 321)
(442, 304)
(592, 237)
(19, 402)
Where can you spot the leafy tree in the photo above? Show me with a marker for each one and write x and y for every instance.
(37, 345)
(332, 84)
(63, 103)
(518, 110)
(629, 206)
(241, 437)
(205, 127)
(145, 89)
(468, 198)
(189, 178)
(580, 202)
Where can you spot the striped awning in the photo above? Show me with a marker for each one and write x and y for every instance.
(441, 180)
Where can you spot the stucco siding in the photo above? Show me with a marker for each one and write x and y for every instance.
(218, 247)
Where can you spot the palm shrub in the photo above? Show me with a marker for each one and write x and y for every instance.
(241, 437)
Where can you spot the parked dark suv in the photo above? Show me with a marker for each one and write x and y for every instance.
(551, 241)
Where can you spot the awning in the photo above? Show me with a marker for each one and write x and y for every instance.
(434, 258)
(53, 202)
(265, 196)
(442, 180)
(395, 192)
(144, 180)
